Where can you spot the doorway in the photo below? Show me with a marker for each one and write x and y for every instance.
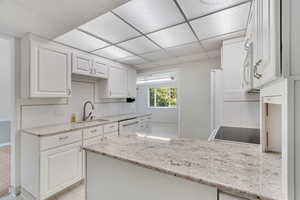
(7, 78)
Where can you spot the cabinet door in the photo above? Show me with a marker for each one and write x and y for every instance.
(50, 71)
(267, 66)
(81, 64)
(117, 82)
(100, 69)
(131, 80)
(60, 167)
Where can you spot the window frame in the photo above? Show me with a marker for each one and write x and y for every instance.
(162, 107)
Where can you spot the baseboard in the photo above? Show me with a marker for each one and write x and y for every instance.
(5, 144)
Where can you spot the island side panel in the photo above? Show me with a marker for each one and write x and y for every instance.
(109, 178)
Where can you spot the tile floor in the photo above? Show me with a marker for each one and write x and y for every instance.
(4, 170)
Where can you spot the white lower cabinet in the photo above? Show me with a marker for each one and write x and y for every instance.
(60, 168)
(50, 164)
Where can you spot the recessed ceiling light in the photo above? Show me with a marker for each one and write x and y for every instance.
(213, 2)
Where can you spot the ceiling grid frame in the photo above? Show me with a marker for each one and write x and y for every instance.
(111, 44)
(186, 20)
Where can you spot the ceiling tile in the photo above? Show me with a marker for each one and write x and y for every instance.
(113, 52)
(156, 55)
(197, 8)
(139, 45)
(186, 49)
(81, 41)
(227, 21)
(174, 36)
(156, 13)
(110, 28)
(132, 60)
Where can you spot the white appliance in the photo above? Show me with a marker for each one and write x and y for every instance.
(128, 127)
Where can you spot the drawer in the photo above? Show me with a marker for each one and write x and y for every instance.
(93, 132)
(92, 141)
(108, 128)
(272, 99)
(48, 142)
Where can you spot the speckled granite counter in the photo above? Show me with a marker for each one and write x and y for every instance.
(61, 128)
(239, 169)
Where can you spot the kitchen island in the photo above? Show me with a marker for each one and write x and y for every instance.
(129, 167)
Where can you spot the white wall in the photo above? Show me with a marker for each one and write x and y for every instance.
(6, 62)
(194, 96)
(195, 102)
(82, 90)
(164, 115)
(234, 106)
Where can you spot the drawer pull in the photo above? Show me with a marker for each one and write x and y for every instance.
(63, 138)
(94, 131)
(113, 126)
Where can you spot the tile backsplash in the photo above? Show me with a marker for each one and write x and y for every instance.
(39, 115)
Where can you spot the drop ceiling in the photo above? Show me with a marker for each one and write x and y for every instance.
(143, 32)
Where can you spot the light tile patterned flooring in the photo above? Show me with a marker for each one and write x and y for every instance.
(4, 170)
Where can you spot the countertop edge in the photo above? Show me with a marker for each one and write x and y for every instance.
(221, 187)
(28, 130)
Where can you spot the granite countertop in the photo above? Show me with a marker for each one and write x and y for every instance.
(61, 128)
(236, 168)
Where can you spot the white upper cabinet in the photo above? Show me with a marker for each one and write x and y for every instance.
(266, 42)
(81, 64)
(85, 64)
(121, 83)
(46, 69)
(117, 82)
(131, 83)
(100, 68)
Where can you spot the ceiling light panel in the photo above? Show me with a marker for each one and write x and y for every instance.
(197, 8)
(113, 52)
(81, 41)
(139, 45)
(174, 36)
(132, 60)
(227, 21)
(150, 15)
(187, 49)
(110, 28)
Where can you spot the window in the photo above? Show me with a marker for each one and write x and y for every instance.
(162, 97)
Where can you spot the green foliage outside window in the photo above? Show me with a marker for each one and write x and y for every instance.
(163, 97)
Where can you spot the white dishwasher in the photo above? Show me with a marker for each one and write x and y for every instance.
(128, 127)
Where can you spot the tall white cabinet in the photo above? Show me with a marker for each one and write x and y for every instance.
(46, 69)
(266, 40)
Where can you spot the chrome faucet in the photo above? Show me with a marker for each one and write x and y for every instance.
(90, 115)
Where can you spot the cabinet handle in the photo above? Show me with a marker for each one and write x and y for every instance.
(69, 92)
(63, 138)
(94, 131)
(256, 74)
